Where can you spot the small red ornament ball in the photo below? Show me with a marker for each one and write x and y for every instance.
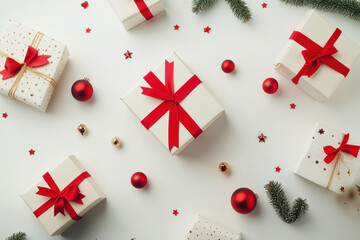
(243, 200)
(228, 66)
(270, 85)
(82, 90)
(139, 180)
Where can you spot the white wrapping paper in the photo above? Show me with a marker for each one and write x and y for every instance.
(199, 104)
(205, 229)
(325, 81)
(129, 14)
(313, 167)
(65, 173)
(32, 90)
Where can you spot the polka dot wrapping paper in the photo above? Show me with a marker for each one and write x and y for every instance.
(33, 88)
(205, 229)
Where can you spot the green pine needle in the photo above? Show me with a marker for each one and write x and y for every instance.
(17, 236)
(348, 8)
(240, 9)
(281, 204)
(201, 5)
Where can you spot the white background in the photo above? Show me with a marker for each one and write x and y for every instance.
(190, 182)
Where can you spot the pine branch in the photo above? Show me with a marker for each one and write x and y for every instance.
(240, 9)
(281, 204)
(201, 5)
(348, 8)
(17, 236)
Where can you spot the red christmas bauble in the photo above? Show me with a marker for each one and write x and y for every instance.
(228, 66)
(139, 180)
(243, 200)
(270, 85)
(82, 90)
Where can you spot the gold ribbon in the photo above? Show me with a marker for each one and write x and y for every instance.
(35, 44)
(339, 159)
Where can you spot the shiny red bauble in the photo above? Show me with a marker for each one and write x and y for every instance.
(139, 180)
(243, 200)
(228, 66)
(82, 90)
(270, 85)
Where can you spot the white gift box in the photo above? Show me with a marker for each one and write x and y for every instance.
(129, 13)
(63, 175)
(336, 176)
(32, 89)
(202, 107)
(326, 80)
(205, 229)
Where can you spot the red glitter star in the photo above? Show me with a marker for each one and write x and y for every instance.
(5, 115)
(128, 54)
(85, 4)
(262, 137)
(175, 212)
(264, 5)
(32, 152)
(277, 169)
(207, 29)
(176, 27)
(88, 30)
(292, 106)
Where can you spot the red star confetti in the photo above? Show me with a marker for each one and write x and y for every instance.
(262, 137)
(85, 4)
(176, 27)
(32, 152)
(207, 29)
(175, 212)
(277, 169)
(128, 54)
(292, 106)
(5, 115)
(88, 30)
(264, 5)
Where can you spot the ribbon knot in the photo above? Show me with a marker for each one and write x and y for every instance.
(171, 103)
(314, 55)
(332, 152)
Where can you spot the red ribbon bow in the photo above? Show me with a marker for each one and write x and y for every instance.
(60, 199)
(171, 103)
(32, 59)
(315, 55)
(332, 152)
(143, 8)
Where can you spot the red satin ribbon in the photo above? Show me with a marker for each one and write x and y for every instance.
(32, 59)
(60, 199)
(331, 152)
(171, 103)
(315, 55)
(143, 8)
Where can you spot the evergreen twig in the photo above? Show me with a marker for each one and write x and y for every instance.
(17, 236)
(281, 204)
(348, 8)
(201, 5)
(240, 9)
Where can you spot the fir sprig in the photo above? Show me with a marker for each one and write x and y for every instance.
(240, 9)
(281, 204)
(348, 8)
(201, 5)
(17, 236)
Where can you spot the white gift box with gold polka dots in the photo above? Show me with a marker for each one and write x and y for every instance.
(205, 229)
(339, 175)
(35, 85)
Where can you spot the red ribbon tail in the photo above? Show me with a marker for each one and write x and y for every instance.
(70, 210)
(188, 122)
(6, 74)
(173, 138)
(39, 61)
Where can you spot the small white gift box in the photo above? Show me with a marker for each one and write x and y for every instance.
(333, 169)
(324, 45)
(177, 115)
(205, 229)
(31, 85)
(68, 188)
(133, 12)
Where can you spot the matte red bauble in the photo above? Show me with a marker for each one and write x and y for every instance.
(243, 200)
(270, 85)
(82, 90)
(228, 66)
(139, 180)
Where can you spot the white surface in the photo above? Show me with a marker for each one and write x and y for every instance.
(189, 182)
